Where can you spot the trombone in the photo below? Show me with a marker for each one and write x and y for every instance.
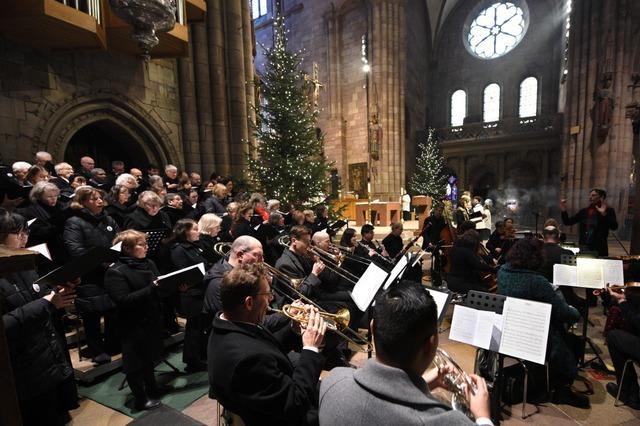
(335, 322)
(294, 284)
(222, 248)
(333, 262)
(347, 251)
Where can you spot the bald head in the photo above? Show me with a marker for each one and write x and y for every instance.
(87, 163)
(245, 249)
(321, 240)
(42, 158)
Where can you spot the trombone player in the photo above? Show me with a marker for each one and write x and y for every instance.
(296, 261)
(249, 371)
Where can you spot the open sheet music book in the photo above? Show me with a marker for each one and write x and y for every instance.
(589, 273)
(368, 285)
(92, 259)
(521, 331)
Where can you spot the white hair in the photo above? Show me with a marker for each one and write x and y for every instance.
(20, 165)
(124, 177)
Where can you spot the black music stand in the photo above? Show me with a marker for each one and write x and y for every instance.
(567, 259)
(154, 238)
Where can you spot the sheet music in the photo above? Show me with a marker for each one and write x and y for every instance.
(367, 286)
(476, 327)
(117, 247)
(565, 275)
(179, 271)
(396, 272)
(612, 271)
(589, 273)
(525, 329)
(42, 249)
(441, 298)
(29, 222)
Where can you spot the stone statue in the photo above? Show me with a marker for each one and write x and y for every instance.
(602, 112)
(375, 137)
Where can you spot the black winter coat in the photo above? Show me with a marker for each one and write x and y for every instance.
(241, 227)
(37, 351)
(173, 214)
(251, 375)
(119, 212)
(298, 267)
(47, 228)
(206, 243)
(140, 220)
(82, 232)
(594, 237)
(214, 205)
(129, 282)
(183, 255)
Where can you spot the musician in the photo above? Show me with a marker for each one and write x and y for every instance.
(624, 344)
(45, 385)
(268, 234)
(507, 240)
(321, 222)
(519, 278)
(209, 227)
(432, 227)
(173, 207)
(367, 246)
(467, 267)
(130, 283)
(552, 254)
(244, 250)
(594, 221)
(242, 225)
(350, 241)
(249, 371)
(62, 179)
(494, 241)
(297, 263)
(392, 388)
(185, 252)
(463, 212)
(393, 242)
(148, 216)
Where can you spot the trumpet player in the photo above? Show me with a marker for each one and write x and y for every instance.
(393, 388)
(249, 371)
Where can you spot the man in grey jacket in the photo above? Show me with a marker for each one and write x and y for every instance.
(391, 389)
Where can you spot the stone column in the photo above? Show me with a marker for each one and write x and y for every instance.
(218, 76)
(249, 72)
(203, 98)
(236, 86)
(387, 78)
(188, 113)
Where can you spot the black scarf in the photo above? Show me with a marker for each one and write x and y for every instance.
(135, 263)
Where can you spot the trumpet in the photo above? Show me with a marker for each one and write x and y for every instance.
(457, 381)
(335, 322)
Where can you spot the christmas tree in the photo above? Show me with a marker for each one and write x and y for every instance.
(429, 177)
(289, 162)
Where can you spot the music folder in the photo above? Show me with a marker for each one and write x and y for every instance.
(191, 276)
(442, 299)
(79, 266)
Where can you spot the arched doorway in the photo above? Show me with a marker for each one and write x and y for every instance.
(484, 184)
(105, 141)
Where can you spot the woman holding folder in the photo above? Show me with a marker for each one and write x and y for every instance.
(186, 252)
(131, 284)
(41, 369)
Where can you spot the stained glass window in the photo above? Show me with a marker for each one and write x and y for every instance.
(496, 30)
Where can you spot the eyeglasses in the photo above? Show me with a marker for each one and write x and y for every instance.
(270, 293)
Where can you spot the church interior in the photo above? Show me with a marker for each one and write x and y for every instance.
(156, 124)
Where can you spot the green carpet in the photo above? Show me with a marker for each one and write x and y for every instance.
(188, 387)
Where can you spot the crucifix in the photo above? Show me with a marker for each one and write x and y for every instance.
(315, 84)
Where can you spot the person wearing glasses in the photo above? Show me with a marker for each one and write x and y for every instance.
(42, 372)
(131, 283)
(249, 371)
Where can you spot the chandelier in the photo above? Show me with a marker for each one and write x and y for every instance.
(147, 17)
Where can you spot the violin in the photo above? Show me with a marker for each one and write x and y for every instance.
(617, 288)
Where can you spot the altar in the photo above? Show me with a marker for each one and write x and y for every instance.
(384, 213)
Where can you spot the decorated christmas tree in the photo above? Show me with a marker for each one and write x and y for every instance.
(429, 177)
(289, 162)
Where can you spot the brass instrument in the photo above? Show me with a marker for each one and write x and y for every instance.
(333, 262)
(284, 240)
(293, 283)
(457, 381)
(222, 248)
(335, 322)
(348, 253)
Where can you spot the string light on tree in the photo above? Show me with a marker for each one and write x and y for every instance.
(289, 163)
(429, 177)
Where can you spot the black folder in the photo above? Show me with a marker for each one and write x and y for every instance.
(79, 266)
(191, 276)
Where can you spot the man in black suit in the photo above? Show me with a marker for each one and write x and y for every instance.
(249, 371)
(296, 262)
(63, 178)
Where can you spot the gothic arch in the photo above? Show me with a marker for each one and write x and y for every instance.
(61, 121)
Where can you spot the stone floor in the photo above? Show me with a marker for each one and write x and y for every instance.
(602, 411)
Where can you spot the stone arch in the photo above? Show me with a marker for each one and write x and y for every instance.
(63, 120)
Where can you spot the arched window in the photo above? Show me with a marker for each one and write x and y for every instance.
(458, 107)
(528, 97)
(491, 106)
(258, 8)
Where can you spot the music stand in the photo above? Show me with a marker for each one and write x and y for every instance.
(570, 259)
(154, 238)
(495, 303)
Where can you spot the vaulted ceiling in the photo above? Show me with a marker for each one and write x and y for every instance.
(439, 10)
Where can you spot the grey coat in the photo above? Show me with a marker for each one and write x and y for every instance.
(381, 395)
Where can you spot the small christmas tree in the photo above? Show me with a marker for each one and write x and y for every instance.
(429, 177)
(289, 164)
